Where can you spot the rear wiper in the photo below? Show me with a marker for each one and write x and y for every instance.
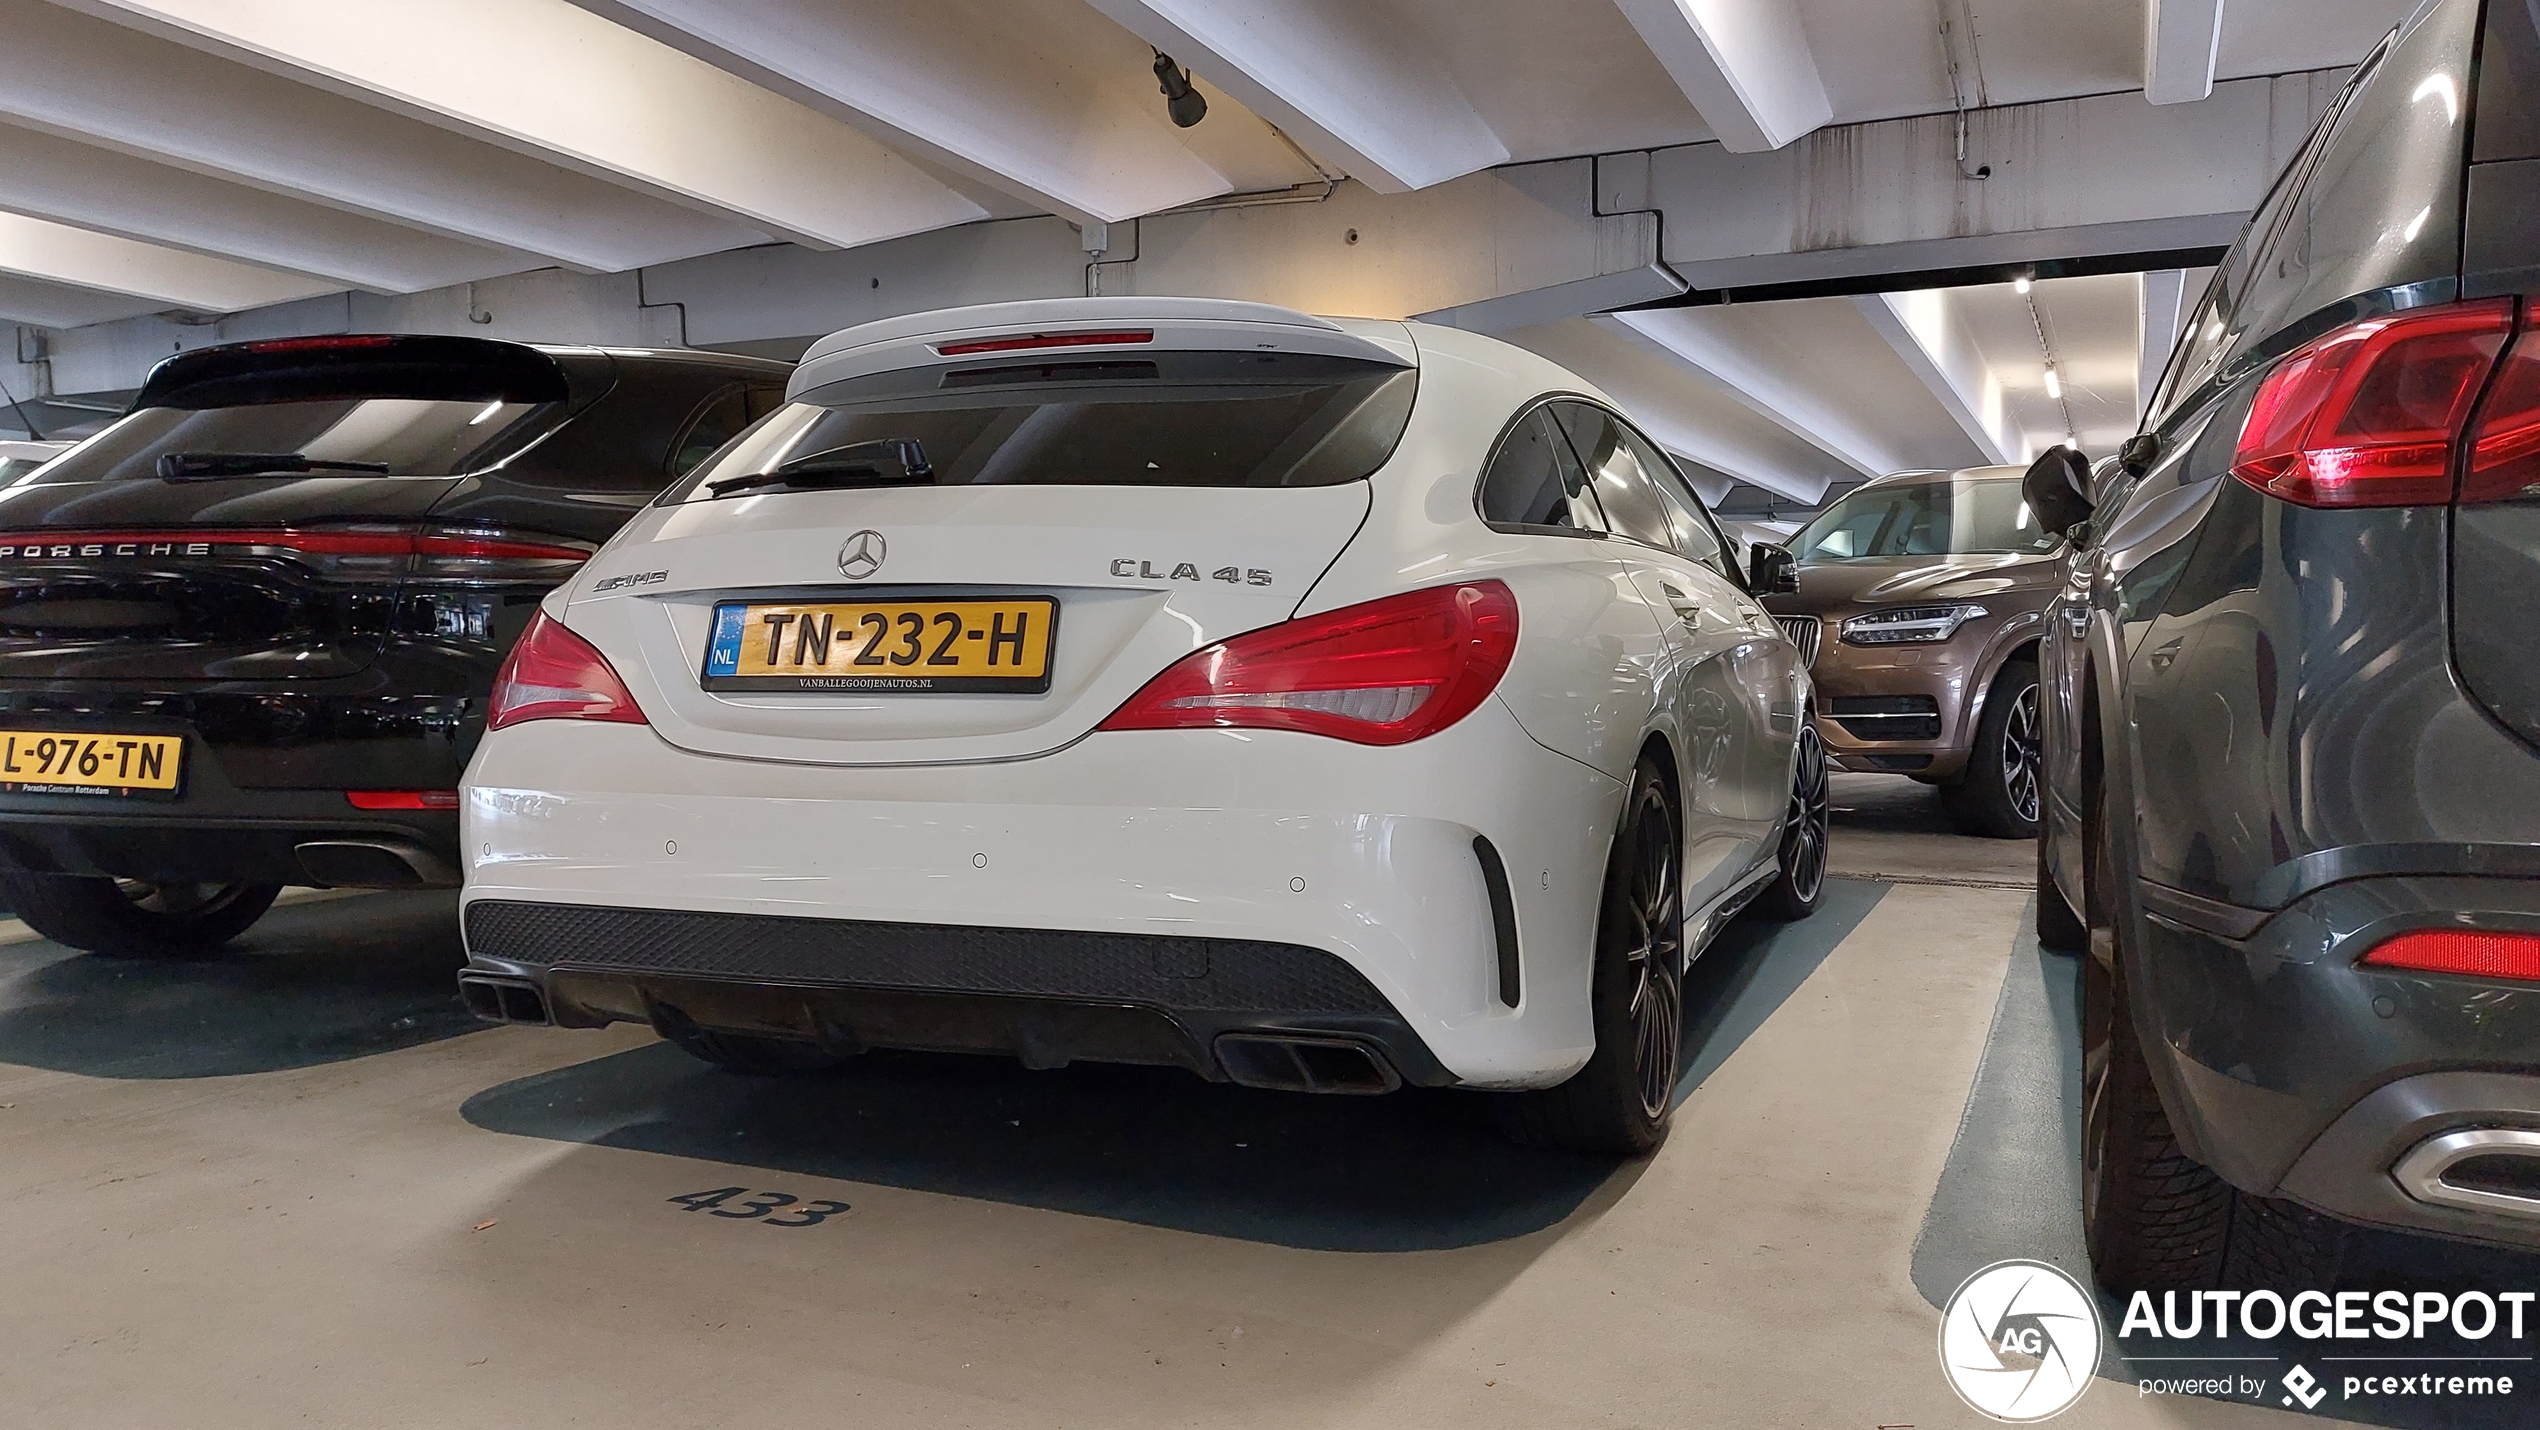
(857, 464)
(217, 466)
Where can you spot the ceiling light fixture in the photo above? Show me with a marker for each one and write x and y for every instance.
(2054, 386)
(1184, 103)
(2020, 284)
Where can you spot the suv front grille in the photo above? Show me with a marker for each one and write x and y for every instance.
(1887, 717)
(1804, 632)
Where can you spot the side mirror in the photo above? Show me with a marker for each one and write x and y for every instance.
(2057, 489)
(1771, 569)
(2138, 454)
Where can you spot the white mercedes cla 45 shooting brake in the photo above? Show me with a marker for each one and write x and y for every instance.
(1313, 704)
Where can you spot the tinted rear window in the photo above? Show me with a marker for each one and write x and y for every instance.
(412, 436)
(1160, 419)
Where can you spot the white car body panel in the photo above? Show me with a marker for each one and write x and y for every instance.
(1014, 812)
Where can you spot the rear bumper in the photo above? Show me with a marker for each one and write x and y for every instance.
(1189, 848)
(2292, 1071)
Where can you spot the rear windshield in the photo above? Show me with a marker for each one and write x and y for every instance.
(410, 436)
(1158, 419)
(1925, 519)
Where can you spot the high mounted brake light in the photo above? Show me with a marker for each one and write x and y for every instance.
(2370, 414)
(1383, 673)
(299, 345)
(1025, 342)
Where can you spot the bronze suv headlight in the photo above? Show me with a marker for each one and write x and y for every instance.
(1910, 625)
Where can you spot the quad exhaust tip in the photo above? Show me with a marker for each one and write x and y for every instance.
(2486, 1169)
(505, 1000)
(1288, 1062)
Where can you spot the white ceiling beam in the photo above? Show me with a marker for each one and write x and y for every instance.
(1927, 332)
(2180, 39)
(170, 278)
(1022, 96)
(1807, 411)
(53, 305)
(104, 84)
(548, 79)
(1745, 64)
(43, 176)
(1333, 75)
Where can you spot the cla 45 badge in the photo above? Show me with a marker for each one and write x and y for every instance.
(1128, 569)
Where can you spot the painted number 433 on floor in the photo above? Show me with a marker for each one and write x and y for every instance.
(788, 1211)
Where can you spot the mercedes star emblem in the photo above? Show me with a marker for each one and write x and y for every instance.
(862, 555)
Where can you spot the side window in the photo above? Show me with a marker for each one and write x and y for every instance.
(1533, 483)
(1622, 488)
(721, 420)
(1696, 537)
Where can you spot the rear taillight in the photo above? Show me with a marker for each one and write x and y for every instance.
(2471, 953)
(2504, 450)
(1383, 673)
(442, 555)
(2370, 415)
(553, 674)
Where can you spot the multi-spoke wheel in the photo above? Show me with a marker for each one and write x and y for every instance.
(1998, 793)
(1619, 1102)
(134, 918)
(1805, 825)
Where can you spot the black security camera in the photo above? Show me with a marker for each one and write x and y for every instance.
(1186, 104)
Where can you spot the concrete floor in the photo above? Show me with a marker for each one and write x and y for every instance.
(296, 1185)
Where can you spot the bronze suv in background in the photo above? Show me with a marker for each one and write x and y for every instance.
(1918, 608)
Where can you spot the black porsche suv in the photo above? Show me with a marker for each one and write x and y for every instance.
(247, 631)
(2292, 708)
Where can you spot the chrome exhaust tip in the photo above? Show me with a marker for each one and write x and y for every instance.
(505, 1000)
(2484, 1169)
(1288, 1062)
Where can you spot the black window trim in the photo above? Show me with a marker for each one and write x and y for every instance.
(1499, 446)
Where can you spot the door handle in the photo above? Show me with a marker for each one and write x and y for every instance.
(2077, 617)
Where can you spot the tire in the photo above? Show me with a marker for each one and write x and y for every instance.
(130, 918)
(1998, 795)
(754, 1056)
(2154, 1218)
(2058, 927)
(1794, 892)
(1619, 1103)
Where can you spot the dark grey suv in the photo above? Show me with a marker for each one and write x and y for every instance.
(2293, 712)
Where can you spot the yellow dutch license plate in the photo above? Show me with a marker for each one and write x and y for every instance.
(63, 762)
(947, 647)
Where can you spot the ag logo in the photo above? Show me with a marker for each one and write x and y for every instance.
(862, 555)
(2020, 1341)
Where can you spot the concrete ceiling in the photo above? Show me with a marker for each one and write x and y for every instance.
(203, 157)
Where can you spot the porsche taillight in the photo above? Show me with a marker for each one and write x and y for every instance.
(553, 674)
(1383, 673)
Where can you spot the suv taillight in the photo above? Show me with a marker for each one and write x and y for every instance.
(1383, 673)
(553, 674)
(2371, 414)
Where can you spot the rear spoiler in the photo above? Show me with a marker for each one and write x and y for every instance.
(351, 365)
(1090, 325)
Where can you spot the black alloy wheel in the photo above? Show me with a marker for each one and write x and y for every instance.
(1619, 1103)
(1998, 795)
(135, 918)
(1806, 827)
